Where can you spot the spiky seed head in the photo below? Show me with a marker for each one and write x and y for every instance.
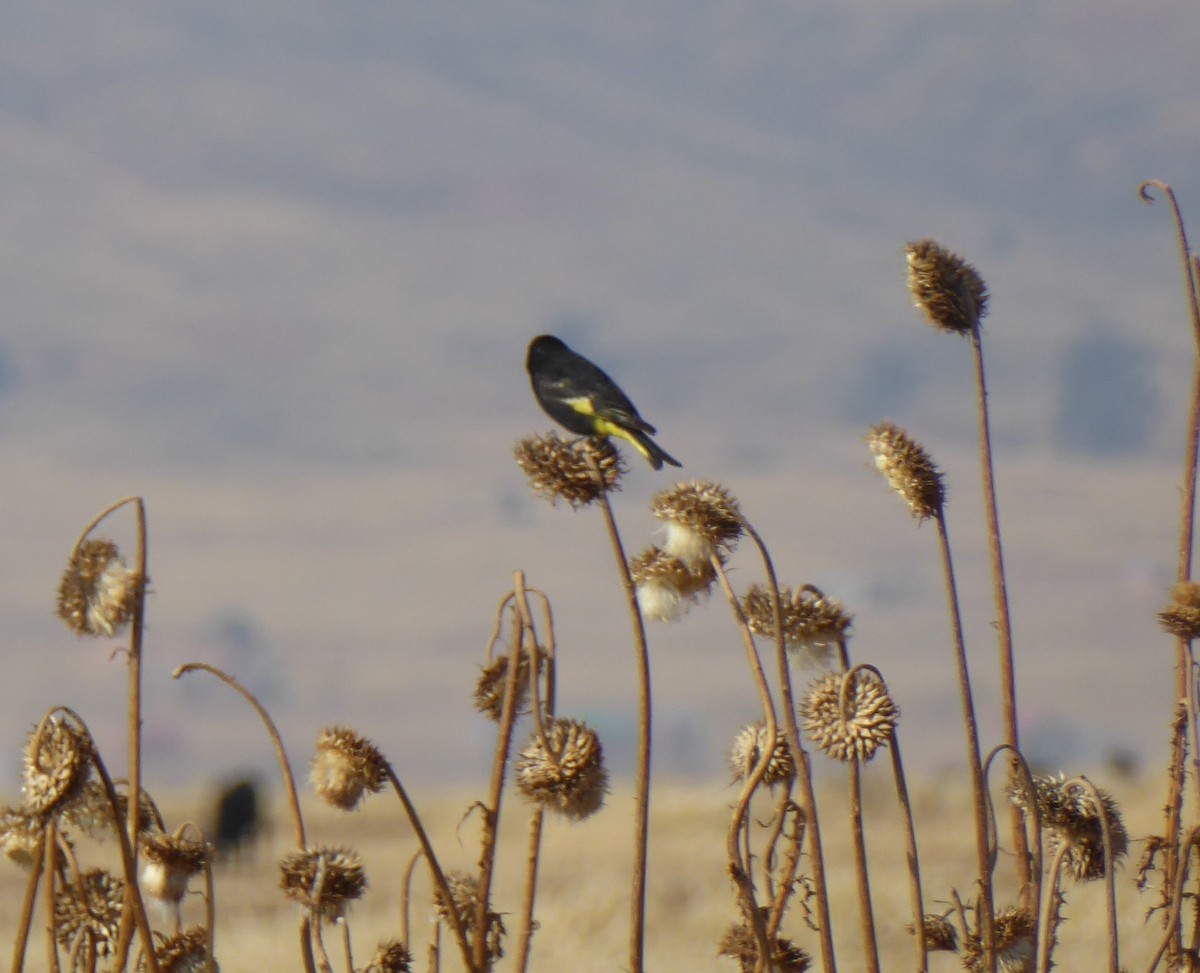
(666, 586)
(1070, 817)
(98, 591)
(559, 470)
(813, 625)
(391, 957)
(168, 862)
(702, 519)
(185, 952)
(88, 912)
(739, 944)
(909, 469)
(57, 765)
(323, 880)
(1182, 616)
(945, 288)
(940, 934)
(464, 893)
(1013, 931)
(748, 748)
(567, 774)
(853, 732)
(489, 690)
(21, 835)
(346, 767)
(89, 811)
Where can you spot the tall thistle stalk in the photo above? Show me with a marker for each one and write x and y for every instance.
(1184, 658)
(915, 477)
(953, 298)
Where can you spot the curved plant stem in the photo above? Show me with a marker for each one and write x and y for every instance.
(49, 851)
(641, 838)
(21, 943)
(911, 856)
(1049, 906)
(406, 900)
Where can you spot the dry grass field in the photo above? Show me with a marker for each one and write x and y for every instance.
(584, 891)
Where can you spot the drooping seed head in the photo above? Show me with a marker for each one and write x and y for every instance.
(323, 880)
(88, 912)
(702, 520)
(98, 591)
(57, 765)
(391, 957)
(489, 690)
(666, 586)
(945, 288)
(813, 625)
(167, 863)
(1182, 616)
(940, 934)
(559, 470)
(909, 469)
(855, 730)
(567, 774)
(346, 768)
(90, 812)
(185, 952)
(739, 944)
(464, 893)
(21, 835)
(1013, 932)
(748, 748)
(1070, 817)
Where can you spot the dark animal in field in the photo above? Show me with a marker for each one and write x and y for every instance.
(238, 814)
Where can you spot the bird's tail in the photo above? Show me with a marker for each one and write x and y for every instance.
(654, 453)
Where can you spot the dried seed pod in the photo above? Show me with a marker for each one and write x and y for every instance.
(391, 957)
(855, 732)
(739, 944)
(1182, 616)
(748, 747)
(489, 690)
(909, 469)
(1015, 947)
(98, 591)
(323, 880)
(57, 765)
(945, 288)
(1070, 817)
(464, 892)
(940, 934)
(559, 470)
(703, 521)
(185, 952)
(168, 862)
(813, 625)
(21, 835)
(569, 778)
(666, 586)
(347, 767)
(89, 910)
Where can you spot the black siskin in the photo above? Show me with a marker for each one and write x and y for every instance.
(582, 398)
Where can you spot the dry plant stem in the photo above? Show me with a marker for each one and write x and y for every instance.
(1049, 905)
(1175, 898)
(435, 869)
(914, 863)
(525, 937)
(285, 770)
(49, 850)
(491, 810)
(641, 836)
(738, 860)
(318, 938)
(978, 788)
(26, 921)
(1032, 816)
(406, 899)
(808, 799)
(1110, 888)
(347, 952)
(1003, 619)
(866, 915)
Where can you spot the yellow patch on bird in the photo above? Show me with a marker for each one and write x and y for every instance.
(583, 405)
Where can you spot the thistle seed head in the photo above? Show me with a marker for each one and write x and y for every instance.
(739, 944)
(168, 862)
(1070, 817)
(559, 470)
(1182, 616)
(857, 730)
(569, 777)
(940, 934)
(945, 288)
(89, 913)
(489, 690)
(1015, 948)
(813, 625)
(185, 952)
(909, 469)
(391, 957)
(464, 892)
(666, 586)
(323, 880)
(89, 811)
(57, 765)
(748, 747)
(346, 767)
(98, 591)
(21, 835)
(703, 521)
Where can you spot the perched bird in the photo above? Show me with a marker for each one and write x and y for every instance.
(582, 398)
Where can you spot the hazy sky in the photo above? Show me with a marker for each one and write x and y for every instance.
(274, 266)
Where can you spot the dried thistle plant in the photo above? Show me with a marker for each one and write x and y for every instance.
(813, 625)
(168, 863)
(90, 812)
(702, 522)
(1070, 817)
(57, 765)
(21, 835)
(323, 880)
(559, 470)
(98, 591)
(464, 892)
(346, 768)
(747, 750)
(185, 952)
(1182, 616)
(739, 944)
(87, 913)
(1014, 940)
(945, 288)
(568, 778)
(867, 722)
(489, 689)
(391, 957)
(940, 934)
(909, 469)
(666, 585)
